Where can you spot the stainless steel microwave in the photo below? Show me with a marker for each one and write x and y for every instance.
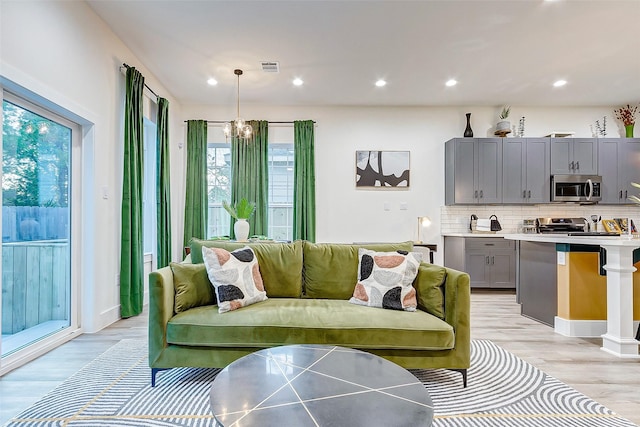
(576, 188)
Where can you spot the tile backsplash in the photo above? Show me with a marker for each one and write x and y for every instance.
(455, 219)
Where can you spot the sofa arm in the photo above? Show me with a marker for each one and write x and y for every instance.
(457, 291)
(161, 303)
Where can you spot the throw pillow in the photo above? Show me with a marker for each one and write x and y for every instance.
(192, 286)
(385, 278)
(235, 277)
(429, 284)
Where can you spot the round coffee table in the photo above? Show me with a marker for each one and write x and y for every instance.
(317, 385)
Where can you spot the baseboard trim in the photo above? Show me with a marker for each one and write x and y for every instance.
(583, 328)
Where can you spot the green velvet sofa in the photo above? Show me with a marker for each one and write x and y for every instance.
(308, 287)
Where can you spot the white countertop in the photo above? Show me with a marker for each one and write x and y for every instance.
(557, 238)
(580, 240)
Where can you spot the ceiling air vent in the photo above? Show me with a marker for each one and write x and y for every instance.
(270, 66)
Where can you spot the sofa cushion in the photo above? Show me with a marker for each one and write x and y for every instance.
(192, 286)
(331, 270)
(429, 285)
(235, 276)
(385, 279)
(283, 321)
(280, 263)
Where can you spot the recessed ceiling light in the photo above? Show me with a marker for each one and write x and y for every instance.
(212, 82)
(298, 82)
(381, 83)
(559, 83)
(451, 82)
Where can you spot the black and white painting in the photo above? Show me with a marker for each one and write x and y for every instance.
(382, 169)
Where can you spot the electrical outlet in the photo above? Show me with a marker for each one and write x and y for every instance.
(387, 206)
(403, 206)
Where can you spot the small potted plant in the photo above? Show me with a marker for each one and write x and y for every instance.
(503, 127)
(240, 211)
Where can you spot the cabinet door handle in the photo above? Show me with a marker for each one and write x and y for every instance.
(578, 165)
(571, 166)
(620, 196)
(475, 194)
(529, 194)
(481, 194)
(625, 194)
(493, 259)
(524, 194)
(486, 260)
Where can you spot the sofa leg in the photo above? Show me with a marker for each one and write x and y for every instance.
(464, 376)
(154, 371)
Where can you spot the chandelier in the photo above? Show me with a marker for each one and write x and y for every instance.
(238, 128)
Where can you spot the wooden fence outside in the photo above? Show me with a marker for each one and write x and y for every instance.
(35, 284)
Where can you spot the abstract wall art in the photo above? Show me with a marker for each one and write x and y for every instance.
(382, 169)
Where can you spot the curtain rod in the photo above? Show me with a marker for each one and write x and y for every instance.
(227, 121)
(145, 85)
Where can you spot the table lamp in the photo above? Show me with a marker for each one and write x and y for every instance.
(423, 221)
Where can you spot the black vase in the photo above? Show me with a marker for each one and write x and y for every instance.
(468, 132)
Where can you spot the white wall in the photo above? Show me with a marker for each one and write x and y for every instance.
(347, 214)
(72, 59)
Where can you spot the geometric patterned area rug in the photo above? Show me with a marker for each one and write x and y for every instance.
(114, 390)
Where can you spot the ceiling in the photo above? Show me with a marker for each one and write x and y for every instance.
(501, 52)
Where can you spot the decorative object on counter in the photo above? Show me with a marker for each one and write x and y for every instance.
(473, 224)
(595, 219)
(521, 127)
(611, 226)
(468, 132)
(240, 211)
(382, 169)
(558, 134)
(627, 115)
(423, 221)
(529, 226)
(601, 130)
(635, 199)
(623, 223)
(495, 224)
(503, 127)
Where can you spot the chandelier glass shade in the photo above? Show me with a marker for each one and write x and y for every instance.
(238, 128)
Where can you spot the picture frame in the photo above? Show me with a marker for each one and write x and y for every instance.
(382, 169)
(611, 226)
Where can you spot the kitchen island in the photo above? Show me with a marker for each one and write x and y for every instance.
(619, 338)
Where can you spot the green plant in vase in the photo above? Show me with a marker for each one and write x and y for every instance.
(241, 211)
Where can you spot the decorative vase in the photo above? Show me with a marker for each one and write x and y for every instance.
(468, 132)
(241, 230)
(628, 130)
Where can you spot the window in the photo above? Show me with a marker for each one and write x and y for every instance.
(280, 197)
(38, 295)
(149, 187)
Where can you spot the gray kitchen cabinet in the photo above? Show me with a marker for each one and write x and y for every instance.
(537, 283)
(526, 170)
(574, 156)
(473, 171)
(619, 166)
(489, 261)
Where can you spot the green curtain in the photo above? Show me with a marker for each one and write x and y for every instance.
(304, 181)
(250, 175)
(131, 243)
(196, 207)
(163, 186)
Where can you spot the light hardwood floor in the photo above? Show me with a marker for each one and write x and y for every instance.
(495, 316)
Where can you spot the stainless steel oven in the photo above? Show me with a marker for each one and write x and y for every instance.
(576, 188)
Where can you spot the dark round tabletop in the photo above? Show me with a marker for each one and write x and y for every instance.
(317, 385)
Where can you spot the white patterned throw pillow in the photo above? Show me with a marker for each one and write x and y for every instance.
(235, 277)
(385, 279)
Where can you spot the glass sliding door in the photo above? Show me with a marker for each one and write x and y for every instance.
(37, 297)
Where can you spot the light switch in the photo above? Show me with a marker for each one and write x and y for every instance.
(105, 192)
